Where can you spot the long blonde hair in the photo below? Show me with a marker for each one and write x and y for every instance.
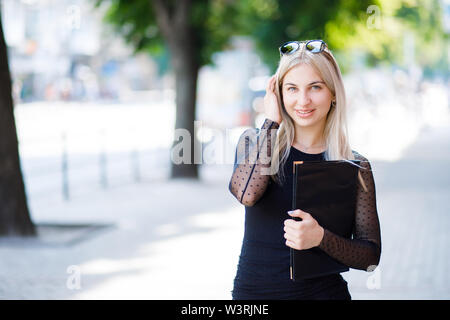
(335, 132)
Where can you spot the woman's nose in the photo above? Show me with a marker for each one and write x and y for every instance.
(303, 99)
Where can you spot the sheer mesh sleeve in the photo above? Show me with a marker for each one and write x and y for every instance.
(364, 249)
(253, 154)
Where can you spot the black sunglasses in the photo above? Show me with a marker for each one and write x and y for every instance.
(314, 46)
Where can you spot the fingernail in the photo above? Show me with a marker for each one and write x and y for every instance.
(291, 212)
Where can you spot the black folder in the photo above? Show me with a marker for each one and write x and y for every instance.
(326, 190)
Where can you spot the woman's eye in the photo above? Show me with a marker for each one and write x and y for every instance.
(289, 89)
(316, 87)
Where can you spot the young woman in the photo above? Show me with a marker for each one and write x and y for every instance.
(305, 112)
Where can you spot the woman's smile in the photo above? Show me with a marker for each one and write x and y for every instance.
(305, 113)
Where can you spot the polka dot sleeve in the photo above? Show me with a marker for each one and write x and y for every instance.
(252, 162)
(364, 249)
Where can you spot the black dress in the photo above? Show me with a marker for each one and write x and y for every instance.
(263, 268)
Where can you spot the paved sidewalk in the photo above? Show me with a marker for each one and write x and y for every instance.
(412, 197)
(158, 224)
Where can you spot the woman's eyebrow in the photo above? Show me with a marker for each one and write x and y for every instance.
(293, 84)
(314, 82)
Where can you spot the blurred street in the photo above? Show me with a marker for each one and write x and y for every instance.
(181, 239)
(98, 88)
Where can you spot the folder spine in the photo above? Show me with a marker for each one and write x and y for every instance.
(294, 207)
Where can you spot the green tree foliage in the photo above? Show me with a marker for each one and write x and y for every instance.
(135, 20)
(424, 19)
(382, 34)
(268, 22)
(374, 31)
(271, 23)
(346, 25)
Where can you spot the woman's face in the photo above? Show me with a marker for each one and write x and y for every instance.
(306, 97)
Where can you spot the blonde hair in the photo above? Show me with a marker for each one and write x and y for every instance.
(335, 132)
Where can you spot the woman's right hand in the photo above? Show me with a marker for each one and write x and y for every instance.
(272, 109)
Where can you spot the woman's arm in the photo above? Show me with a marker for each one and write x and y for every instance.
(249, 181)
(364, 250)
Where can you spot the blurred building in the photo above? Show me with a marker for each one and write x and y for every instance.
(61, 50)
(227, 90)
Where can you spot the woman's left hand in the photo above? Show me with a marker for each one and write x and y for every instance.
(303, 234)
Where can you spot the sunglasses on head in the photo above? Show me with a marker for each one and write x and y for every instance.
(314, 46)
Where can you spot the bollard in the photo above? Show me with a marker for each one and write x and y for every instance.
(64, 167)
(135, 165)
(103, 162)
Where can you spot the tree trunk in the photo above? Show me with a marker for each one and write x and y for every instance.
(186, 74)
(14, 214)
(173, 19)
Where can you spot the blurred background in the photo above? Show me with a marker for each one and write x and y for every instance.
(93, 205)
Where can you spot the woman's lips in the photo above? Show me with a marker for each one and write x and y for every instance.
(305, 113)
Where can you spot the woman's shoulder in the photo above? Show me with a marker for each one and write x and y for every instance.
(364, 162)
(359, 156)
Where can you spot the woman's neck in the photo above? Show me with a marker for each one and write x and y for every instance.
(309, 138)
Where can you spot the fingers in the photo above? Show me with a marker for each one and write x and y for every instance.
(293, 231)
(290, 228)
(299, 234)
(269, 86)
(291, 244)
(294, 235)
(291, 223)
(299, 213)
(291, 236)
(271, 81)
(293, 227)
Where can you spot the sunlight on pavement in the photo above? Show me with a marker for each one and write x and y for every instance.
(91, 127)
(200, 265)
